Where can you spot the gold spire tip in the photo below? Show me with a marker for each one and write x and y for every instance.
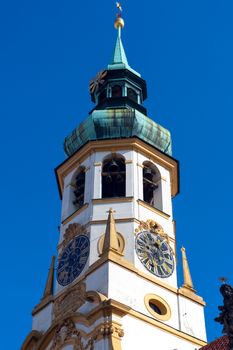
(119, 22)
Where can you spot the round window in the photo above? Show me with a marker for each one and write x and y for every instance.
(157, 307)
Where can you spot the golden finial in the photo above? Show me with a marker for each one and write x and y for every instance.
(188, 283)
(49, 283)
(111, 242)
(119, 22)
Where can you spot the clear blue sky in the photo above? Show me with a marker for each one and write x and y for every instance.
(49, 52)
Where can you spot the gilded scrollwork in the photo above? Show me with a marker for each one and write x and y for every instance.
(153, 227)
(72, 231)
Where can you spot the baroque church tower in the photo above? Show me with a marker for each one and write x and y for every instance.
(116, 274)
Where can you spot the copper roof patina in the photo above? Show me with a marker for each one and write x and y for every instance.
(118, 123)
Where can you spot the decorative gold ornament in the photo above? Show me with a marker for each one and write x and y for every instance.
(119, 22)
(72, 231)
(154, 227)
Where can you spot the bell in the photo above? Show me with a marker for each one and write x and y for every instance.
(113, 166)
(108, 179)
(147, 173)
(80, 179)
(77, 193)
(153, 187)
(119, 179)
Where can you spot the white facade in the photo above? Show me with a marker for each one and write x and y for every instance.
(123, 279)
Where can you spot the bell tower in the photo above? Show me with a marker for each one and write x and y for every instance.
(115, 285)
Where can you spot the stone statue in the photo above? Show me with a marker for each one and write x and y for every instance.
(226, 315)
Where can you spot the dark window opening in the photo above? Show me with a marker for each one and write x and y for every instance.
(79, 189)
(113, 178)
(132, 95)
(149, 185)
(117, 91)
(155, 308)
(102, 96)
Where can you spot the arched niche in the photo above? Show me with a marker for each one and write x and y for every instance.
(152, 189)
(78, 182)
(113, 176)
(74, 193)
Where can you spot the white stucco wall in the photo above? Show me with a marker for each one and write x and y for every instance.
(140, 335)
(42, 320)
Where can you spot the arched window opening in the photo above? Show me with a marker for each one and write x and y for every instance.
(102, 96)
(132, 95)
(150, 184)
(79, 188)
(113, 178)
(116, 91)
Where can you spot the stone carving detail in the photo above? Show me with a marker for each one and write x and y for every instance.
(71, 301)
(226, 315)
(108, 329)
(72, 231)
(154, 227)
(66, 332)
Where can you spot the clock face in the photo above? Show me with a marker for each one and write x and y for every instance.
(73, 260)
(155, 254)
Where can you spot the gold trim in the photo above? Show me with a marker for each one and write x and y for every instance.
(112, 200)
(125, 310)
(117, 308)
(121, 241)
(115, 331)
(155, 210)
(185, 292)
(166, 328)
(103, 222)
(116, 145)
(115, 258)
(111, 330)
(140, 165)
(98, 164)
(160, 303)
(77, 212)
(128, 162)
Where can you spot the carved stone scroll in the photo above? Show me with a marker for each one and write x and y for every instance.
(71, 301)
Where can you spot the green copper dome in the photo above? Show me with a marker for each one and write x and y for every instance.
(118, 123)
